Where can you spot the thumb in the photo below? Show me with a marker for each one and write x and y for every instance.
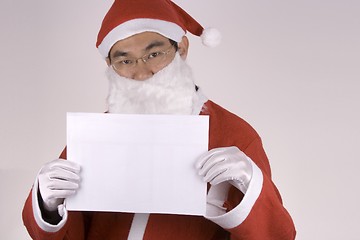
(61, 210)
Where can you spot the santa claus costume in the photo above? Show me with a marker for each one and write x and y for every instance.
(231, 214)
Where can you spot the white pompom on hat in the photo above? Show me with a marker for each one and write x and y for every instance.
(211, 37)
(129, 17)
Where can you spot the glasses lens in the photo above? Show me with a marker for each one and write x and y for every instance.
(155, 59)
(125, 64)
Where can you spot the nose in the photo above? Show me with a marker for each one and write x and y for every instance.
(142, 72)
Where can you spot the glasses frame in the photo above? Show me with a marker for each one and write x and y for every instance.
(144, 58)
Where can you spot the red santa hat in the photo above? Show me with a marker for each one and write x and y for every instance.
(129, 17)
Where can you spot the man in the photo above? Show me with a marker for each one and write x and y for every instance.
(145, 47)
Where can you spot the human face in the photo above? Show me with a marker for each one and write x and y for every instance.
(136, 47)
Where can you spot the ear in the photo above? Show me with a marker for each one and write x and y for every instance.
(183, 47)
(107, 61)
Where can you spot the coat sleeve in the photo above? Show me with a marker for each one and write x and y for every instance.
(70, 227)
(259, 214)
(38, 229)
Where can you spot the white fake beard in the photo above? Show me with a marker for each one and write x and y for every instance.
(169, 91)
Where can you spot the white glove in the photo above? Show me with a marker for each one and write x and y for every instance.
(227, 164)
(58, 179)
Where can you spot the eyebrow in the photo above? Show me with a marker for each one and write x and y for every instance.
(154, 44)
(119, 54)
(147, 48)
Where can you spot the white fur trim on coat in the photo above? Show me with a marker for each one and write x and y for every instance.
(237, 215)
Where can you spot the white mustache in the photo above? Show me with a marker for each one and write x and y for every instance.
(169, 91)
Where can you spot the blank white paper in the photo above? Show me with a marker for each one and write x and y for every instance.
(138, 163)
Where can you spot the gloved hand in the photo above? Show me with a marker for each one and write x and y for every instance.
(58, 179)
(227, 164)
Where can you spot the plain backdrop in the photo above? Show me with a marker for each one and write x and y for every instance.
(290, 68)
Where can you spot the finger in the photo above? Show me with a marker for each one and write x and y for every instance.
(222, 177)
(214, 173)
(61, 210)
(60, 194)
(204, 157)
(58, 184)
(66, 165)
(59, 173)
(215, 159)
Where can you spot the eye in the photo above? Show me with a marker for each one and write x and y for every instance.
(125, 62)
(154, 55)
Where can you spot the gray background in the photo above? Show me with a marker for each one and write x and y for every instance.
(290, 68)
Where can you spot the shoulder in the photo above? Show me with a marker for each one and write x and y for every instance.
(228, 127)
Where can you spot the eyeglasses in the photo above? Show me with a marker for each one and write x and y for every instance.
(153, 59)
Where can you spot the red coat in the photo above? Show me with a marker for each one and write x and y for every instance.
(263, 218)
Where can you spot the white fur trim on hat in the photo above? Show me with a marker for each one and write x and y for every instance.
(135, 26)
